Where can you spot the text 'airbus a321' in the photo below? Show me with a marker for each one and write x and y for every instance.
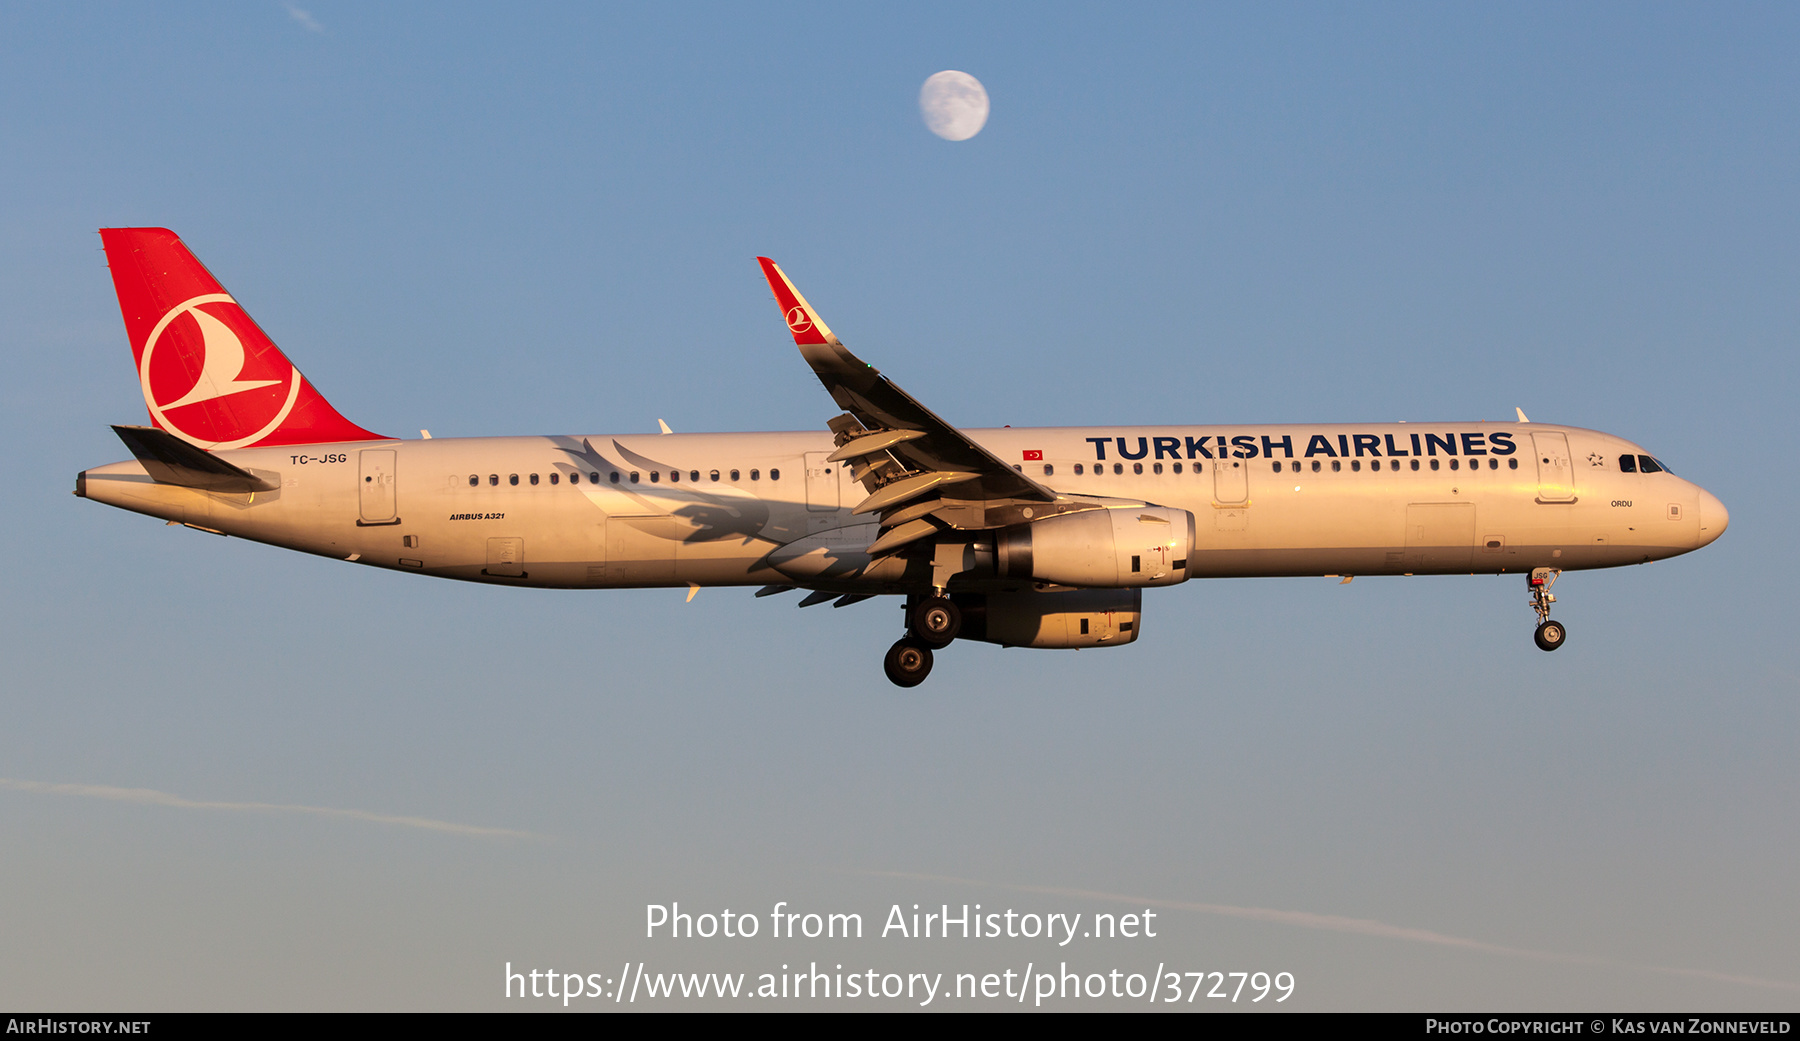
(1041, 537)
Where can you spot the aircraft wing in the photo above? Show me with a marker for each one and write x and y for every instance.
(902, 451)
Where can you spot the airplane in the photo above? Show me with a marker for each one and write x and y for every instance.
(1031, 537)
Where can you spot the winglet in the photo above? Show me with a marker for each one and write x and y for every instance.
(804, 322)
(1521, 413)
(821, 349)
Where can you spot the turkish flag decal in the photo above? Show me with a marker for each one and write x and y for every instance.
(1032, 455)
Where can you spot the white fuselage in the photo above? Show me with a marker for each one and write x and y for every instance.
(709, 509)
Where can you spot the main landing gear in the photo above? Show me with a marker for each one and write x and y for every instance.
(932, 622)
(1550, 635)
(908, 662)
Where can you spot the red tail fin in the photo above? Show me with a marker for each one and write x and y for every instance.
(210, 375)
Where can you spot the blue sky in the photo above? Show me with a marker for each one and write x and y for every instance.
(488, 221)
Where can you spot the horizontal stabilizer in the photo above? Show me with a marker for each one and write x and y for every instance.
(170, 460)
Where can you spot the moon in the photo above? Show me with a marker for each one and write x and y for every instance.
(954, 104)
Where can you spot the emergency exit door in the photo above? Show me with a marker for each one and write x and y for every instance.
(821, 482)
(1231, 480)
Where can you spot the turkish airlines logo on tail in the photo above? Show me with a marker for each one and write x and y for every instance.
(797, 319)
(202, 359)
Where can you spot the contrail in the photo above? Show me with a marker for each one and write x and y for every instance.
(304, 18)
(150, 796)
(1362, 926)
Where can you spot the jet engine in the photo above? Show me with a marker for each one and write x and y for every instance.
(1110, 548)
(1065, 618)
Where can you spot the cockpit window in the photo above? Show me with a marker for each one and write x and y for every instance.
(1628, 464)
(1648, 465)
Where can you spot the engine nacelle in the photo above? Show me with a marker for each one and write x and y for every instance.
(1067, 618)
(1111, 548)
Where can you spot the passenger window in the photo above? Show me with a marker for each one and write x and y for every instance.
(714, 475)
(513, 480)
(1315, 466)
(774, 475)
(1512, 464)
(1337, 466)
(1453, 464)
(534, 478)
(1177, 467)
(474, 480)
(1648, 465)
(575, 478)
(1294, 466)
(1156, 468)
(1434, 464)
(615, 477)
(655, 476)
(674, 476)
(1493, 464)
(694, 475)
(1196, 466)
(1415, 464)
(634, 477)
(1078, 469)
(1118, 468)
(1137, 468)
(756, 475)
(734, 475)
(1277, 465)
(1355, 464)
(1017, 467)
(555, 478)
(1049, 470)
(493, 480)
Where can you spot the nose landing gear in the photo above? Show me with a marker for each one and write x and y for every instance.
(1550, 635)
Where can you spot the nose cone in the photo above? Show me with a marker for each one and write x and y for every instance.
(1714, 518)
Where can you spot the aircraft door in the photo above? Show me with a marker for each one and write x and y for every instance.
(821, 482)
(1440, 536)
(505, 558)
(1231, 480)
(1556, 477)
(376, 487)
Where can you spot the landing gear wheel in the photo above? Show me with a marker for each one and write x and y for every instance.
(908, 662)
(936, 621)
(1550, 636)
